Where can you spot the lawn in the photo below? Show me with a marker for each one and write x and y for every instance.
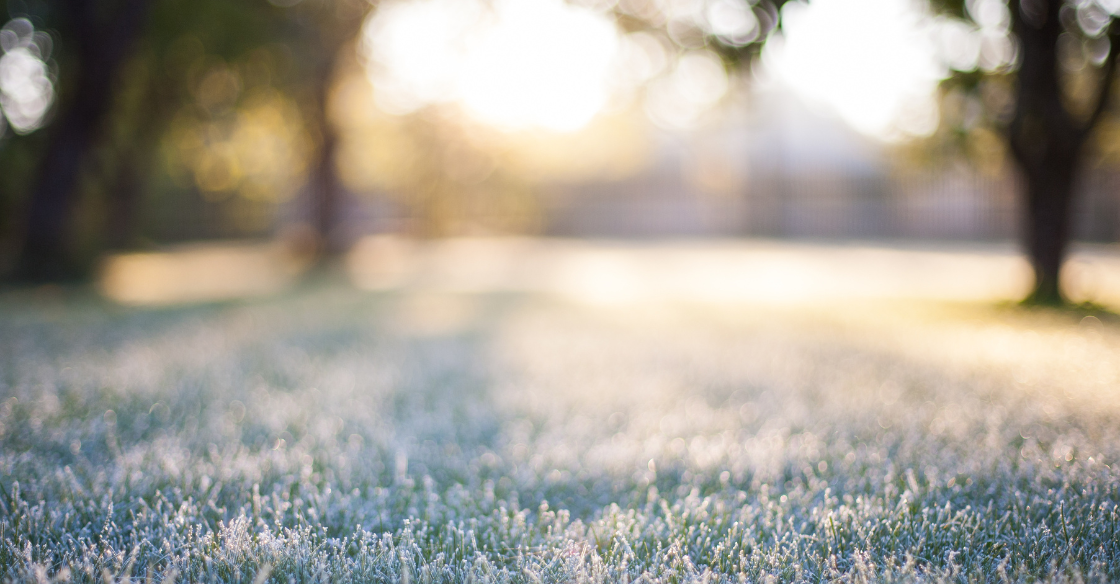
(432, 434)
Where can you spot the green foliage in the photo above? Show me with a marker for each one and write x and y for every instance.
(953, 8)
(180, 42)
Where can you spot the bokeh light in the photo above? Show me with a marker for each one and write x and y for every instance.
(732, 21)
(232, 139)
(695, 85)
(26, 89)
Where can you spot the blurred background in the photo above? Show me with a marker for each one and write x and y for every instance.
(152, 144)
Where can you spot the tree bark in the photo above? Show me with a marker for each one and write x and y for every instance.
(102, 45)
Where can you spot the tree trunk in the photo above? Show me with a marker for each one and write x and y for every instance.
(1046, 143)
(328, 26)
(46, 253)
(1049, 201)
(323, 182)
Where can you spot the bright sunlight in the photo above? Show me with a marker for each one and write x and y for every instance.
(547, 64)
(875, 63)
(513, 64)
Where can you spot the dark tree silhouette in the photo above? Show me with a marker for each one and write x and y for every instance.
(98, 38)
(1046, 139)
(103, 34)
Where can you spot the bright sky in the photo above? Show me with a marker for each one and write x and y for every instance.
(544, 63)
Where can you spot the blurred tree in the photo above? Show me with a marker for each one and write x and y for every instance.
(181, 45)
(735, 29)
(102, 35)
(1045, 102)
(324, 28)
(128, 69)
(1037, 73)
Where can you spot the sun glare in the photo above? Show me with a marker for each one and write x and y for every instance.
(874, 62)
(548, 64)
(512, 63)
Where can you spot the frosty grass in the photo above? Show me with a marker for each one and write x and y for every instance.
(339, 436)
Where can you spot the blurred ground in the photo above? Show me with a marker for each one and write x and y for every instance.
(613, 272)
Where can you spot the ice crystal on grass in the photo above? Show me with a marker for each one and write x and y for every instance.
(311, 439)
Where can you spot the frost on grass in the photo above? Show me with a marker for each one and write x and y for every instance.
(317, 438)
